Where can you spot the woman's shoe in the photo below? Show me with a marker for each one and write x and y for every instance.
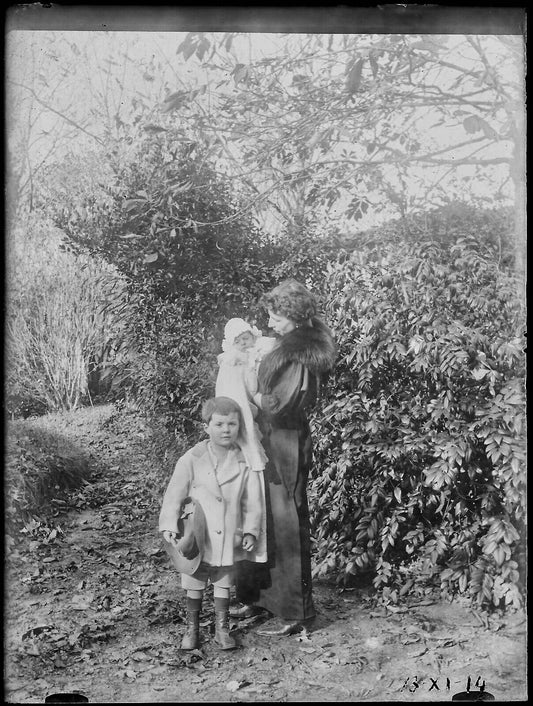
(282, 627)
(244, 611)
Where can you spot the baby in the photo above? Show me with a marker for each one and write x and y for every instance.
(243, 346)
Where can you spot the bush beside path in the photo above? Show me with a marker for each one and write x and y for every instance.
(92, 606)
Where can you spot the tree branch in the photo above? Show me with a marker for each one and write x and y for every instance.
(57, 112)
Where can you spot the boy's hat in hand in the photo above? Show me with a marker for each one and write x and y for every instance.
(187, 556)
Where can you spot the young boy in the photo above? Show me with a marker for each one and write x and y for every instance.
(214, 474)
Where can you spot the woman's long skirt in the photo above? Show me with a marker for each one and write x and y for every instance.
(283, 586)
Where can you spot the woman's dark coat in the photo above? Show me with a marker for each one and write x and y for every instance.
(289, 380)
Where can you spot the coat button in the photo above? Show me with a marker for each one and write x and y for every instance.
(219, 499)
(219, 531)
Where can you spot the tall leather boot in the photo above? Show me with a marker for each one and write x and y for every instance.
(191, 639)
(222, 637)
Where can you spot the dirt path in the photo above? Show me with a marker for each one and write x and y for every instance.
(94, 608)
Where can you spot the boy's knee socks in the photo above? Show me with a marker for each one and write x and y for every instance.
(194, 604)
(221, 603)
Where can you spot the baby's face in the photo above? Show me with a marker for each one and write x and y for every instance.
(244, 341)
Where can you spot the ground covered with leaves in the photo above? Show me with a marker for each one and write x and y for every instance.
(93, 607)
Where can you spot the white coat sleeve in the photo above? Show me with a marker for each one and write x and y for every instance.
(176, 492)
(252, 505)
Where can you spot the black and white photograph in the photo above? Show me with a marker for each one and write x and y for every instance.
(265, 354)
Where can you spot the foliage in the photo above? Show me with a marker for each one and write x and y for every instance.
(41, 467)
(363, 122)
(303, 251)
(427, 401)
(191, 260)
(51, 78)
(62, 326)
(421, 447)
(443, 226)
(331, 126)
(178, 338)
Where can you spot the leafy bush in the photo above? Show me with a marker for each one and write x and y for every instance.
(304, 252)
(41, 467)
(421, 447)
(443, 226)
(63, 324)
(192, 258)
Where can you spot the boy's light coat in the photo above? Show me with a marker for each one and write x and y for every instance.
(231, 501)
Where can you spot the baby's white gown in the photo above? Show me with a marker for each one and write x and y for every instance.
(237, 379)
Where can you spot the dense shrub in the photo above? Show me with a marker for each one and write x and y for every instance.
(193, 258)
(303, 251)
(420, 452)
(493, 228)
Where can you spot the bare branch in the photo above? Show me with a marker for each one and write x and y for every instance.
(57, 112)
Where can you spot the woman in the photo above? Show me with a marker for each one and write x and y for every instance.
(289, 381)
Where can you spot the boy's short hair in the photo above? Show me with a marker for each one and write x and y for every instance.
(220, 405)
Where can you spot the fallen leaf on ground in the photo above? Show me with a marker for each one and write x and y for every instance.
(144, 667)
(303, 636)
(139, 656)
(82, 602)
(33, 650)
(37, 630)
(321, 664)
(373, 643)
(235, 685)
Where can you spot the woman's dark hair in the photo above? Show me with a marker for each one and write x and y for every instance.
(220, 405)
(291, 299)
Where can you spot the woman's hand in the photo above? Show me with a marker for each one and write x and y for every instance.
(248, 542)
(171, 537)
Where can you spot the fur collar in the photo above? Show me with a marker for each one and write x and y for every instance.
(312, 346)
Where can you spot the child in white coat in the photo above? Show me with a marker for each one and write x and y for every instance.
(243, 348)
(214, 474)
